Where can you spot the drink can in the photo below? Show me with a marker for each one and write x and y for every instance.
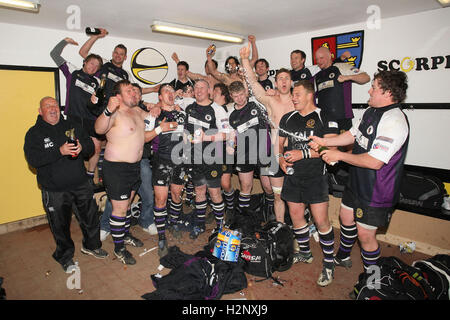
(211, 49)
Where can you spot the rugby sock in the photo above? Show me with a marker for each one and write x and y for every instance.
(200, 210)
(117, 226)
(270, 198)
(302, 237)
(244, 200)
(189, 191)
(327, 244)
(370, 258)
(128, 222)
(160, 221)
(100, 164)
(90, 174)
(229, 199)
(218, 209)
(349, 234)
(175, 211)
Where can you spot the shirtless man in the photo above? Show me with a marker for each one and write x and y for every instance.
(123, 124)
(276, 107)
(232, 65)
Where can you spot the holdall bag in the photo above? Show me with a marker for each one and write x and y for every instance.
(421, 191)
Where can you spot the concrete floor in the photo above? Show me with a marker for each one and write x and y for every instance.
(30, 273)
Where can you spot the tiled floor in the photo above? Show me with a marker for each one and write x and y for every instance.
(30, 273)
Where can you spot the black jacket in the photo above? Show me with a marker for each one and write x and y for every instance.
(56, 172)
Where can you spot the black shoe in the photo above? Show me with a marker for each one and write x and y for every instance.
(132, 241)
(69, 266)
(196, 231)
(98, 253)
(175, 230)
(125, 256)
(163, 248)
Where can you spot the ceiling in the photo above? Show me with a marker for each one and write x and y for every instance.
(263, 18)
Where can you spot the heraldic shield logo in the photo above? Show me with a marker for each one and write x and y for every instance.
(339, 43)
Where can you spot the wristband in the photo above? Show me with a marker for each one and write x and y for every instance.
(107, 112)
(158, 130)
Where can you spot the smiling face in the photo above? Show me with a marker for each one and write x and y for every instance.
(91, 66)
(300, 97)
(119, 56)
(49, 110)
(201, 91)
(323, 58)
(261, 68)
(297, 61)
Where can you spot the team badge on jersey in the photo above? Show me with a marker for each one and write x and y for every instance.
(359, 213)
(303, 76)
(253, 112)
(370, 130)
(339, 43)
(310, 123)
(208, 117)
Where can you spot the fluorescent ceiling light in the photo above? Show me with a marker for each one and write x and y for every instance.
(444, 3)
(165, 27)
(29, 5)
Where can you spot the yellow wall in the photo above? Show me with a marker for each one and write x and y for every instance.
(20, 93)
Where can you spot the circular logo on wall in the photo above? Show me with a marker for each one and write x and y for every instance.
(148, 66)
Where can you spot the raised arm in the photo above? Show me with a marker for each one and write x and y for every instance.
(105, 121)
(84, 50)
(252, 41)
(257, 89)
(55, 54)
(213, 70)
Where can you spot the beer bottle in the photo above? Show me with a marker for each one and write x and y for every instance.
(72, 139)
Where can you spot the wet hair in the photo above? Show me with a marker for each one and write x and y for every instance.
(263, 61)
(224, 91)
(94, 56)
(183, 63)
(301, 52)
(137, 86)
(307, 84)
(236, 86)
(214, 61)
(396, 82)
(228, 59)
(121, 46)
(282, 70)
(162, 86)
(201, 80)
(117, 89)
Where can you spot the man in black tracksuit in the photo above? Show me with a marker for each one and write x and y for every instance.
(64, 184)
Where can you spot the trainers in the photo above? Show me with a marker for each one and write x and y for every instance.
(346, 262)
(125, 256)
(326, 277)
(162, 248)
(132, 241)
(104, 234)
(69, 266)
(151, 229)
(98, 253)
(175, 230)
(196, 231)
(303, 257)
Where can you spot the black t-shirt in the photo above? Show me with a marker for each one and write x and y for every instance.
(315, 123)
(266, 84)
(82, 86)
(113, 75)
(252, 131)
(169, 140)
(204, 118)
(177, 84)
(302, 74)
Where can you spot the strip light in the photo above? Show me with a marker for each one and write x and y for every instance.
(172, 28)
(444, 3)
(28, 5)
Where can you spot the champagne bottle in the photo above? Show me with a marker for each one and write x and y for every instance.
(101, 93)
(72, 139)
(92, 31)
(323, 148)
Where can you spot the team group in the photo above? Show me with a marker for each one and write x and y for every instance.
(290, 132)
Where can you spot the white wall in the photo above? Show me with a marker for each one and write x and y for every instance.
(420, 35)
(28, 46)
